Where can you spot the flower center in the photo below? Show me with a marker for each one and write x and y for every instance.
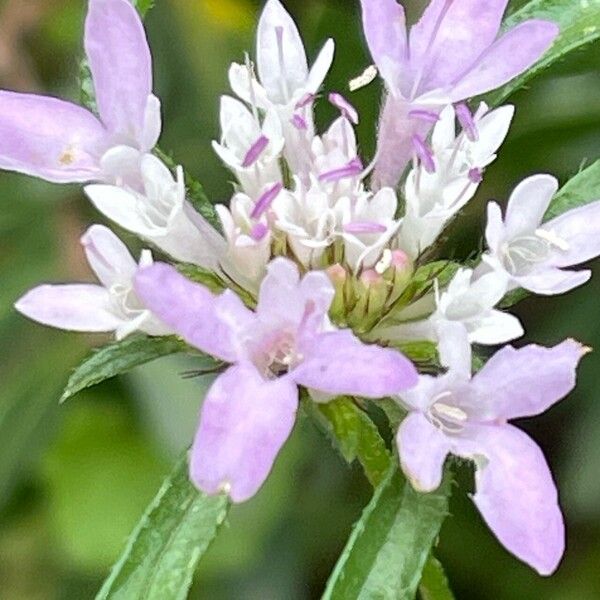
(446, 416)
(523, 254)
(278, 355)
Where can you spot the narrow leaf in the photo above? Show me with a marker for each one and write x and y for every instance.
(389, 546)
(434, 584)
(120, 357)
(164, 549)
(354, 434)
(579, 22)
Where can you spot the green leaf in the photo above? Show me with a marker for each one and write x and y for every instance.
(579, 22)
(354, 434)
(389, 546)
(143, 6)
(434, 583)
(162, 553)
(120, 357)
(578, 191)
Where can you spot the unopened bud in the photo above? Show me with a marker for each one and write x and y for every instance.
(400, 273)
(338, 276)
(372, 292)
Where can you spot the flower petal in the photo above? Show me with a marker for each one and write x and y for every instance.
(528, 204)
(75, 307)
(451, 36)
(280, 55)
(496, 327)
(108, 256)
(580, 229)
(550, 281)
(509, 56)
(339, 363)
(189, 309)
(423, 449)
(49, 138)
(244, 422)
(518, 499)
(526, 382)
(384, 24)
(320, 67)
(494, 230)
(121, 65)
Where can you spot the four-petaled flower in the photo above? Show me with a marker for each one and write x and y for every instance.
(288, 341)
(467, 416)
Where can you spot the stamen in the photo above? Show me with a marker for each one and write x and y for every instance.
(475, 175)
(348, 111)
(364, 79)
(467, 122)
(352, 169)
(299, 122)
(264, 202)
(255, 151)
(424, 115)
(358, 227)
(307, 99)
(259, 231)
(553, 239)
(424, 153)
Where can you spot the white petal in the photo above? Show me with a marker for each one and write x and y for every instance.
(321, 67)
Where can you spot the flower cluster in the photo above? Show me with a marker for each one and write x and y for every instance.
(322, 261)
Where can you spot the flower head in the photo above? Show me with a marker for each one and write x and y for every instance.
(288, 341)
(467, 417)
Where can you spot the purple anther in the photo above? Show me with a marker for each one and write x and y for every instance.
(348, 111)
(255, 151)
(259, 231)
(307, 99)
(265, 201)
(358, 227)
(475, 175)
(424, 115)
(424, 153)
(352, 169)
(299, 122)
(467, 122)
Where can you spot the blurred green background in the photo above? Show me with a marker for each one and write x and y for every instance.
(74, 479)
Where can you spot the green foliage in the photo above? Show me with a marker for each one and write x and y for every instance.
(164, 549)
(580, 190)
(434, 583)
(100, 475)
(390, 544)
(354, 434)
(143, 6)
(122, 356)
(579, 22)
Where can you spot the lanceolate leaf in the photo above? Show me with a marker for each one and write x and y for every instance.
(389, 546)
(354, 434)
(434, 584)
(578, 191)
(120, 357)
(579, 22)
(162, 553)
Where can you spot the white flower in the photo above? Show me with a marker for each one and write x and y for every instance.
(160, 214)
(450, 172)
(467, 301)
(249, 149)
(532, 254)
(248, 234)
(368, 224)
(111, 306)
